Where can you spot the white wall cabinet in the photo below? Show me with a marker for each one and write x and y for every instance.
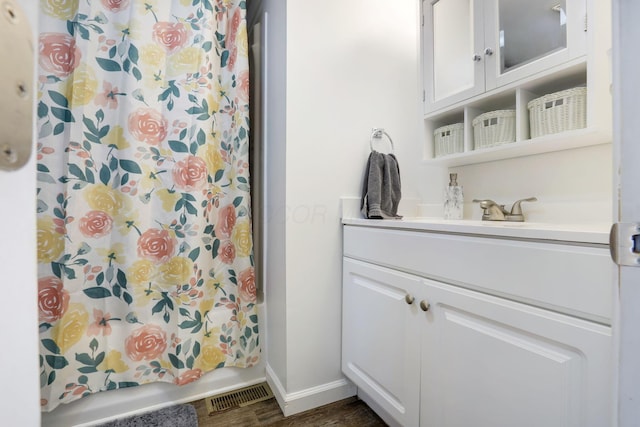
(472, 46)
(485, 55)
(429, 353)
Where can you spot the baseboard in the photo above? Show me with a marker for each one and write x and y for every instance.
(371, 403)
(300, 401)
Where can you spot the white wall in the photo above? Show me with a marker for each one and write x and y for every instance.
(20, 398)
(350, 66)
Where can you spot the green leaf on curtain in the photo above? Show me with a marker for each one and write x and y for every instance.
(100, 358)
(90, 177)
(177, 363)
(70, 28)
(224, 58)
(125, 384)
(122, 278)
(218, 176)
(130, 166)
(57, 271)
(137, 74)
(59, 98)
(190, 361)
(105, 174)
(190, 208)
(83, 379)
(100, 279)
(113, 165)
(127, 298)
(97, 292)
(178, 147)
(117, 290)
(201, 138)
(253, 318)
(206, 46)
(77, 172)
(193, 255)
(242, 179)
(100, 115)
(93, 345)
(56, 362)
(158, 307)
(52, 378)
(42, 168)
(50, 345)
(133, 53)
(237, 201)
(196, 349)
(216, 247)
(108, 64)
(84, 33)
(126, 65)
(87, 369)
(85, 359)
(43, 110)
(90, 125)
(62, 114)
(184, 312)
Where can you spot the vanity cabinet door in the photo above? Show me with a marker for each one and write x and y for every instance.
(491, 362)
(380, 339)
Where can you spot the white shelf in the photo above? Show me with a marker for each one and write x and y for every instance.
(544, 144)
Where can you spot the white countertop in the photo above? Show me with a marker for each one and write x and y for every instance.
(597, 233)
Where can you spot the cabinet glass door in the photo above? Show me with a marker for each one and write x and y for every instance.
(530, 30)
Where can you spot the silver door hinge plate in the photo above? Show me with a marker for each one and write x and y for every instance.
(16, 86)
(624, 244)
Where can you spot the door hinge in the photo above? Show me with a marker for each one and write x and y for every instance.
(624, 244)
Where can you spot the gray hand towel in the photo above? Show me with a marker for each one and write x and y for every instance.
(381, 191)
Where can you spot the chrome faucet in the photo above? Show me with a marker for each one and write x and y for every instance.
(495, 212)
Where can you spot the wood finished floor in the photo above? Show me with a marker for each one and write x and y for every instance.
(348, 412)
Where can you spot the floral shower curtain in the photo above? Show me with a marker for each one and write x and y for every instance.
(144, 236)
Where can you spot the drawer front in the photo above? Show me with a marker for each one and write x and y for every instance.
(571, 279)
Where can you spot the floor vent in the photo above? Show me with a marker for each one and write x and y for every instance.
(238, 398)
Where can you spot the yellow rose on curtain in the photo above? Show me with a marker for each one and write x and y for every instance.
(61, 9)
(70, 329)
(176, 271)
(113, 362)
(84, 86)
(187, 60)
(103, 198)
(50, 240)
(241, 237)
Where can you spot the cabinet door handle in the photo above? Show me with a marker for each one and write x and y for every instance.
(409, 299)
(424, 305)
(488, 51)
(477, 58)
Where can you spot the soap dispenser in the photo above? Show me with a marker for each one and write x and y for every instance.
(453, 198)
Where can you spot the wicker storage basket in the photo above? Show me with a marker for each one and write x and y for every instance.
(449, 139)
(494, 128)
(558, 112)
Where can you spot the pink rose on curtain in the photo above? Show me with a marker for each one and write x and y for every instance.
(147, 342)
(234, 25)
(156, 244)
(243, 86)
(115, 5)
(247, 285)
(53, 299)
(59, 54)
(227, 252)
(190, 174)
(148, 125)
(226, 222)
(190, 376)
(95, 224)
(170, 35)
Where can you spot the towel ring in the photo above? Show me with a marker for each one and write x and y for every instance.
(377, 133)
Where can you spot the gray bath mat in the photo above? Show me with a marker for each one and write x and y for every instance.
(172, 416)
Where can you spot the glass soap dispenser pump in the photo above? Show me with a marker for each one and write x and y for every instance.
(453, 198)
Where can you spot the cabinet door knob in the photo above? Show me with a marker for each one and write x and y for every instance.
(424, 305)
(477, 58)
(409, 299)
(488, 51)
